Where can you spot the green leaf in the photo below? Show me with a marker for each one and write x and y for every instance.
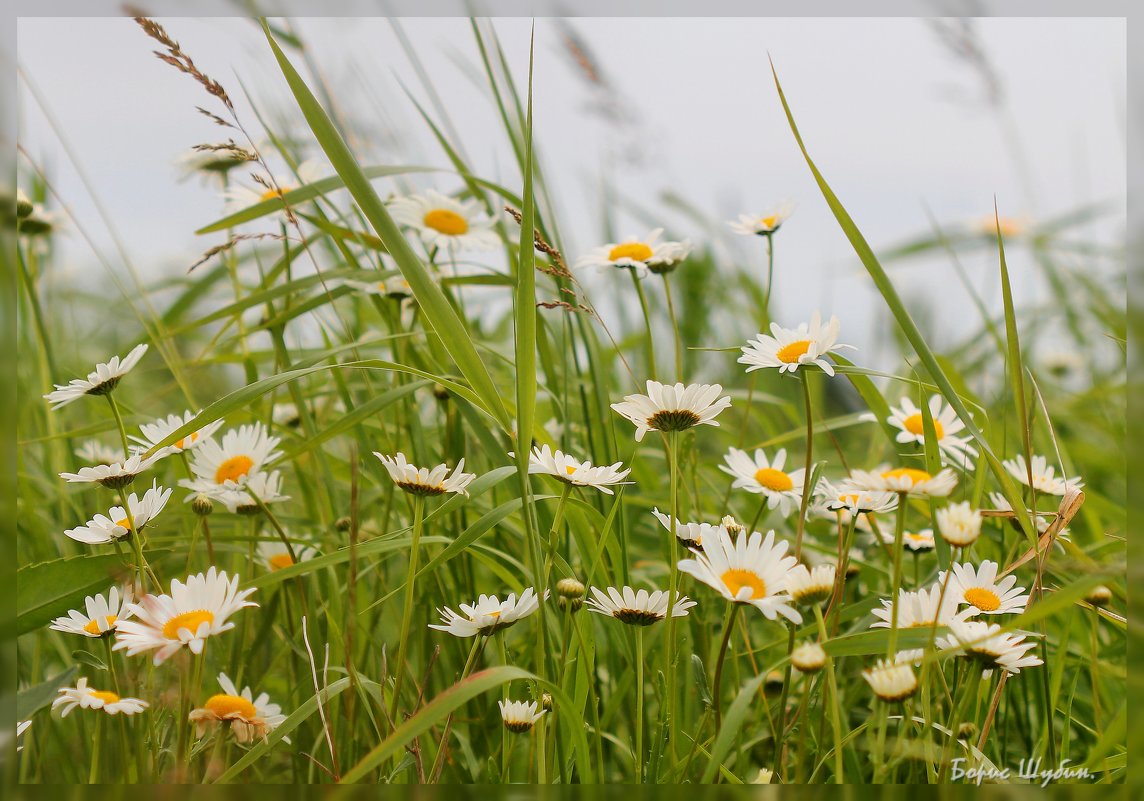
(439, 313)
(31, 700)
(48, 590)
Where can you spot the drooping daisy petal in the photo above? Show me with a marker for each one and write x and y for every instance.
(100, 381)
(1045, 478)
(520, 716)
(116, 524)
(115, 475)
(545, 461)
(668, 407)
(86, 697)
(488, 614)
(249, 717)
(423, 481)
(988, 645)
(764, 223)
(637, 607)
(99, 616)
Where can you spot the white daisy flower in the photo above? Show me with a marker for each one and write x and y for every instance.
(115, 475)
(766, 477)
(423, 481)
(668, 407)
(116, 525)
(249, 717)
(560, 465)
(810, 586)
(920, 608)
(90, 698)
(243, 452)
(959, 524)
(763, 224)
(910, 656)
(907, 480)
(844, 497)
(638, 253)
(240, 499)
(809, 657)
(488, 614)
(444, 222)
(97, 452)
(239, 196)
(99, 618)
(1045, 478)
(276, 556)
(155, 432)
(690, 535)
(946, 423)
(520, 716)
(1042, 521)
(191, 614)
(788, 348)
(637, 608)
(747, 570)
(917, 541)
(980, 588)
(395, 287)
(102, 380)
(891, 681)
(210, 162)
(987, 644)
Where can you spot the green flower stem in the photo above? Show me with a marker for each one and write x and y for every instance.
(968, 698)
(119, 423)
(835, 699)
(439, 761)
(142, 569)
(554, 536)
(96, 748)
(674, 328)
(672, 590)
(845, 541)
(407, 613)
(650, 341)
(281, 532)
(809, 464)
(638, 754)
(899, 532)
(770, 278)
(716, 692)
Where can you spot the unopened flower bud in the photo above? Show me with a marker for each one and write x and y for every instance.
(343, 523)
(546, 701)
(773, 683)
(808, 657)
(1099, 596)
(23, 205)
(440, 392)
(764, 777)
(570, 594)
(967, 729)
(202, 505)
(733, 526)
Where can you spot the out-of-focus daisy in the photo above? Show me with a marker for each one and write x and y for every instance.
(155, 432)
(946, 423)
(488, 614)
(395, 287)
(788, 348)
(766, 477)
(845, 498)
(891, 681)
(910, 656)
(240, 499)
(21, 727)
(244, 451)
(638, 608)
(747, 570)
(444, 222)
(763, 224)
(100, 381)
(988, 645)
(113, 476)
(640, 253)
(917, 541)
(1045, 477)
(276, 556)
(242, 196)
(907, 480)
(90, 698)
(919, 608)
(115, 525)
(808, 587)
(249, 717)
(959, 524)
(570, 470)
(673, 407)
(97, 452)
(809, 657)
(211, 162)
(980, 588)
(100, 616)
(423, 481)
(191, 614)
(690, 535)
(520, 716)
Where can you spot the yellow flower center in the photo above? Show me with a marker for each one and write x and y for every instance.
(92, 626)
(983, 599)
(124, 523)
(768, 222)
(570, 469)
(233, 469)
(773, 479)
(494, 615)
(636, 251)
(188, 620)
(226, 705)
(279, 561)
(185, 441)
(449, 223)
(916, 426)
(271, 194)
(736, 579)
(789, 354)
(106, 697)
(915, 476)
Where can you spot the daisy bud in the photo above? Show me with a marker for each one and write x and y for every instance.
(734, 527)
(570, 594)
(891, 681)
(773, 683)
(440, 393)
(764, 776)
(202, 505)
(546, 701)
(967, 730)
(1100, 595)
(959, 523)
(23, 205)
(808, 658)
(343, 523)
